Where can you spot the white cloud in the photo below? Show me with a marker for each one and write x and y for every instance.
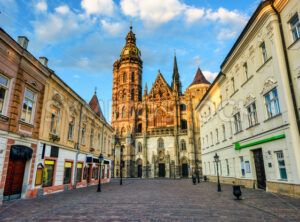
(193, 14)
(98, 7)
(210, 76)
(226, 17)
(63, 9)
(76, 76)
(226, 33)
(155, 11)
(112, 28)
(42, 6)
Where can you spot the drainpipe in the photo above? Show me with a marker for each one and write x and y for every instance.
(78, 149)
(287, 65)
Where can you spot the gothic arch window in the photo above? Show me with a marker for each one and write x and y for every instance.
(183, 144)
(132, 94)
(182, 107)
(131, 111)
(123, 112)
(124, 94)
(140, 112)
(140, 147)
(123, 131)
(139, 128)
(117, 114)
(160, 143)
(124, 77)
(183, 124)
(132, 77)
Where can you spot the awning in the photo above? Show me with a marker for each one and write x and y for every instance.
(20, 152)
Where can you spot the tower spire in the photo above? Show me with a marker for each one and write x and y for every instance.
(176, 78)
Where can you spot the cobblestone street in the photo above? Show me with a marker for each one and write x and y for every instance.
(154, 200)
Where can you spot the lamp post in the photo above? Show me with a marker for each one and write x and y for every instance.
(121, 165)
(216, 157)
(99, 182)
(197, 171)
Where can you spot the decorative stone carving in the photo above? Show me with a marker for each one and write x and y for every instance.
(235, 109)
(249, 99)
(57, 100)
(269, 84)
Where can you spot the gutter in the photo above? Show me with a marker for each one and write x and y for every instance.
(286, 59)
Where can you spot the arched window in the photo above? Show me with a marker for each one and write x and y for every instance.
(132, 94)
(124, 77)
(139, 128)
(182, 107)
(117, 114)
(182, 145)
(183, 124)
(123, 131)
(132, 77)
(123, 112)
(140, 112)
(131, 111)
(124, 94)
(140, 147)
(160, 143)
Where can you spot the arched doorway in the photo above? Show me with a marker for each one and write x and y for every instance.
(184, 168)
(19, 154)
(161, 165)
(139, 168)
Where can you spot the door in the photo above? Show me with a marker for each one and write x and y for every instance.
(14, 179)
(140, 171)
(260, 168)
(162, 170)
(185, 170)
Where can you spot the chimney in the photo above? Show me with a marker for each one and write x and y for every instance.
(23, 41)
(44, 61)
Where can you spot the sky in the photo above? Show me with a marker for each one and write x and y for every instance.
(83, 38)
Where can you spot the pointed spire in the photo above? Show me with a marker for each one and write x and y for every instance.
(176, 78)
(94, 104)
(199, 78)
(146, 89)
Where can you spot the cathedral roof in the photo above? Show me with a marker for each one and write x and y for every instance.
(199, 78)
(94, 104)
(160, 88)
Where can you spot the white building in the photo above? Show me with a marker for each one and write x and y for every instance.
(249, 114)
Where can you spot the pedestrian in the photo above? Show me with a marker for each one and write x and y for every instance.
(194, 179)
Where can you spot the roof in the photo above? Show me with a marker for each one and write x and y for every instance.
(94, 104)
(199, 78)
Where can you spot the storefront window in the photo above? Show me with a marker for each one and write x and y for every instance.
(95, 173)
(281, 165)
(48, 173)
(67, 173)
(85, 173)
(79, 172)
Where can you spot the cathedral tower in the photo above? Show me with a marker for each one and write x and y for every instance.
(127, 87)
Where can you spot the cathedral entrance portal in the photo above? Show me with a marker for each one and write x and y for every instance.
(162, 170)
(185, 170)
(140, 171)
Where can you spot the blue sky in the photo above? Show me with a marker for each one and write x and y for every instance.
(83, 38)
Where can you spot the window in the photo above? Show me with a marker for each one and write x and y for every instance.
(124, 95)
(123, 112)
(28, 106)
(54, 120)
(139, 129)
(182, 107)
(132, 94)
(124, 77)
(79, 172)
(183, 124)
(132, 77)
(224, 132)
(245, 66)
(237, 122)
(233, 84)
(85, 173)
(92, 138)
(227, 167)
(98, 144)
(67, 172)
(83, 130)
(295, 27)
(95, 173)
(48, 173)
(71, 128)
(281, 165)
(264, 52)
(252, 116)
(3, 92)
(242, 166)
(217, 135)
(160, 143)
(272, 103)
(104, 145)
(183, 145)
(139, 147)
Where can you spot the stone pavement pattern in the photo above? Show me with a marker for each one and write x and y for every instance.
(154, 200)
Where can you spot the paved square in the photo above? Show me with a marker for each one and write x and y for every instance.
(154, 200)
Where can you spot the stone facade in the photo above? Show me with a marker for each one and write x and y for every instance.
(248, 115)
(157, 133)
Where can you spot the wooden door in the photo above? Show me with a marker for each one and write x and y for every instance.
(260, 168)
(140, 171)
(14, 179)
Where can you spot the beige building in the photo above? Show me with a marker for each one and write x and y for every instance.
(250, 113)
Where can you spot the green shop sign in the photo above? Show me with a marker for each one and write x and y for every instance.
(238, 146)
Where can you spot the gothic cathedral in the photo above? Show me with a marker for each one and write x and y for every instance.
(156, 133)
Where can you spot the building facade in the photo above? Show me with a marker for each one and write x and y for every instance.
(50, 137)
(156, 132)
(249, 114)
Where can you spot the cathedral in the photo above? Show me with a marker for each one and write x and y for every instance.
(156, 132)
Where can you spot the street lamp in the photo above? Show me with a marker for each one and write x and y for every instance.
(121, 165)
(216, 157)
(99, 182)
